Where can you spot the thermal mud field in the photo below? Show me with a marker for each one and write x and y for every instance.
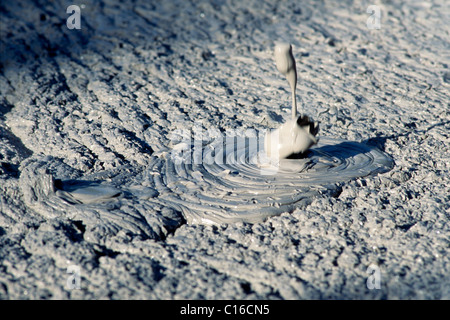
(130, 136)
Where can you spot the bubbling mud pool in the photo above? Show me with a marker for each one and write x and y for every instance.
(248, 181)
(242, 185)
(234, 182)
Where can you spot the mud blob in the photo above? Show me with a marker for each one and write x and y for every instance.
(285, 63)
(293, 137)
(298, 134)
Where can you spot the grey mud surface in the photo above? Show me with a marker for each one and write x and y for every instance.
(95, 107)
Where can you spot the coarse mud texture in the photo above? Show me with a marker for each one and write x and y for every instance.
(86, 116)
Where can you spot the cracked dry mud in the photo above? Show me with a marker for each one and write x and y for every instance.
(85, 113)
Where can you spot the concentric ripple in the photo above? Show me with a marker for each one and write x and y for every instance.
(240, 184)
